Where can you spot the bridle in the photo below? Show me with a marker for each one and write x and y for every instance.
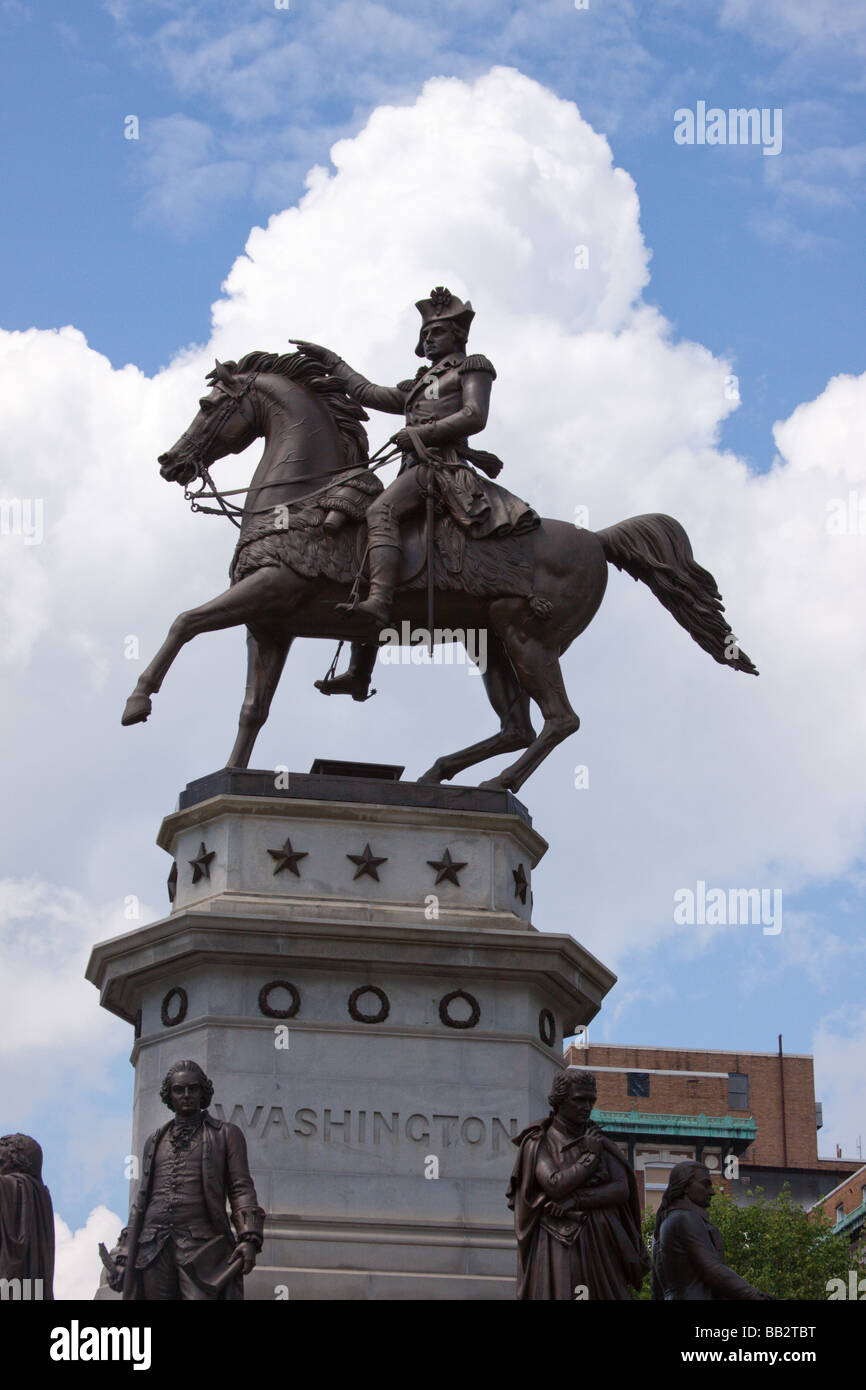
(217, 417)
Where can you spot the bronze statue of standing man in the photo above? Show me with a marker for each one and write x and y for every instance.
(179, 1244)
(575, 1202)
(26, 1218)
(688, 1250)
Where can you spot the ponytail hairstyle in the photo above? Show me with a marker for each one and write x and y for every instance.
(681, 1176)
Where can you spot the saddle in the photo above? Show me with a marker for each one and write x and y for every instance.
(449, 542)
(489, 567)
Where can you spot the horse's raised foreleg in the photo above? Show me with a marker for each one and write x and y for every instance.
(535, 655)
(253, 597)
(265, 661)
(510, 703)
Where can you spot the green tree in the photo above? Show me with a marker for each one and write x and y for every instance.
(780, 1248)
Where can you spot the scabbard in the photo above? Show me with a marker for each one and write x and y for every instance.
(430, 580)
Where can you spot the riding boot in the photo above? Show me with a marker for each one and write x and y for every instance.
(384, 568)
(356, 680)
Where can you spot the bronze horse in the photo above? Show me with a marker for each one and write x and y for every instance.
(313, 436)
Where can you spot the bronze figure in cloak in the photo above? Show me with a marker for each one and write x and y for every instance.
(26, 1218)
(575, 1202)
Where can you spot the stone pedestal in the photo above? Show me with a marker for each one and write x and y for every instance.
(353, 963)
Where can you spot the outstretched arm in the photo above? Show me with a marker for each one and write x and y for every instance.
(697, 1244)
(387, 398)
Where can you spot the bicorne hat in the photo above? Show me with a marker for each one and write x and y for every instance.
(442, 304)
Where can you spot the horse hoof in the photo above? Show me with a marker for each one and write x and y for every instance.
(433, 776)
(138, 707)
(493, 785)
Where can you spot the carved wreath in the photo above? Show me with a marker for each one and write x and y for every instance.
(380, 1015)
(546, 1027)
(268, 1009)
(470, 999)
(179, 994)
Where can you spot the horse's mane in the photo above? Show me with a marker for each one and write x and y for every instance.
(347, 414)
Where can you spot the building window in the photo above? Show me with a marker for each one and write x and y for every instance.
(638, 1084)
(654, 1163)
(840, 1212)
(738, 1091)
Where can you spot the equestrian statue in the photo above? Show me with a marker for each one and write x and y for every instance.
(325, 550)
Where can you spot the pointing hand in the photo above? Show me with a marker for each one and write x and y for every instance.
(316, 352)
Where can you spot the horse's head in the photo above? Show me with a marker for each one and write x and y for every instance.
(225, 424)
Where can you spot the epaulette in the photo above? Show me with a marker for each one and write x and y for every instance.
(477, 363)
(410, 381)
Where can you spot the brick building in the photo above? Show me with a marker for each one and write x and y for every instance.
(750, 1116)
(846, 1206)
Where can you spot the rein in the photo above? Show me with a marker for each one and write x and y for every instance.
(230, 403)
(230, 509)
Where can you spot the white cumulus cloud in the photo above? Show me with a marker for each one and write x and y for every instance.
(840, 1046)
(77, 1266)
(694, 772)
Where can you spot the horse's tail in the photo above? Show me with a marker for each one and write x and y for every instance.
(656, 550)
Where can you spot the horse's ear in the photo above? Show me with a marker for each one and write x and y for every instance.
(220, 373)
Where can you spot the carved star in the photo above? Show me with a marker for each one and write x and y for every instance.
(201, 864)
(521, 882)
(287, 858)
(447, 868)
(367, 863)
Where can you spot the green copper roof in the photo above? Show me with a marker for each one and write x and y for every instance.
(852, 1220)
(692, 1126)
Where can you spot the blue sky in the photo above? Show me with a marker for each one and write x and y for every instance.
(751, 256)
(759, 259)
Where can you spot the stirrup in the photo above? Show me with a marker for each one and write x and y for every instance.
(332, 686)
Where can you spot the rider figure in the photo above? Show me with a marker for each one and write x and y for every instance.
(443, 404)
